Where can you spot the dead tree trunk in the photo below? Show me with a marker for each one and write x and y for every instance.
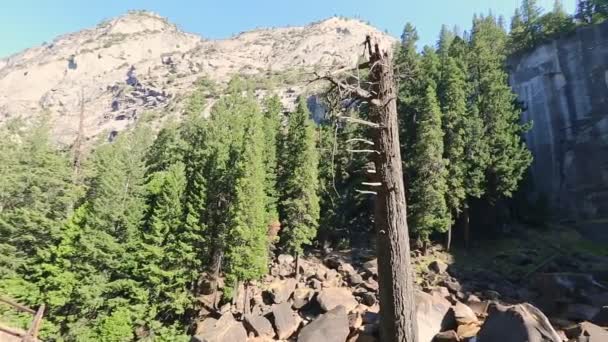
(397, 304)
(466, 225)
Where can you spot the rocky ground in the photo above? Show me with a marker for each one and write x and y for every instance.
(334, 297)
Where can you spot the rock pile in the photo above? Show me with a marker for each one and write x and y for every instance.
(332, 300)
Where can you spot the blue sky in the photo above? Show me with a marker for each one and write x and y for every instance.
(26, 23)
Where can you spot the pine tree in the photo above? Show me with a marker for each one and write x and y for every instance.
(584, 11)
(299, 201)
(428, 209)
(196, 157)
(476, 153)
(454, 104)
(407, 71)
(36, 193)
(91, 268)
(164, 253)
(446, 36)
(531, 12)
(247, 239)
(556, 22)
(272, 135)
(168, 149)
(495, 102)
(409, 37)
(517, 34)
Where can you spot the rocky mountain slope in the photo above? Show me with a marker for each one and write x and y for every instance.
(140, 62)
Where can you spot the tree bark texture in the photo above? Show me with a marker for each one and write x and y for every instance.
(397, 300)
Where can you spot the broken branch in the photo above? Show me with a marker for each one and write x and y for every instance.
(360, 140)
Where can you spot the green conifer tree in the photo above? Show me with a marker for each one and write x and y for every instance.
(299, 201)
(455, 111)
(165, 256)
(247, 239)
(496, 104)
(272, 134)
(427, 205)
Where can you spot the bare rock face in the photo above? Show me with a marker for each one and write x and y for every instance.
(140, 62)
(563, 84)
(517, 323)
(329, 327)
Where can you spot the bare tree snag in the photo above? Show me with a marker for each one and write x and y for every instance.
(397, 306)
(397, 303)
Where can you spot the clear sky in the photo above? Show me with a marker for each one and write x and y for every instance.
(26, 23)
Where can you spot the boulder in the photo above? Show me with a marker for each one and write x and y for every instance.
(464, 314)
(447, 336)
(368, 298)
(517, 323)
(438, 267)
(320, 273)
(280, 290)
(316, 284)
(329, 327)
(285, 259)
(332, 279)
(355, 279)
(587, 332)
(362, 338)
(479, 308)
(452, 285)
(467, 331)
(432, 315)
(260, 339)
(332, 297)
(259, 325)
(226, 329)
(371, 267)
(371, 284)
(286, 321)
(346, 269)
(355, 320)
(301, 297)
(333, 262)
(442, 291)
(205, 325)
